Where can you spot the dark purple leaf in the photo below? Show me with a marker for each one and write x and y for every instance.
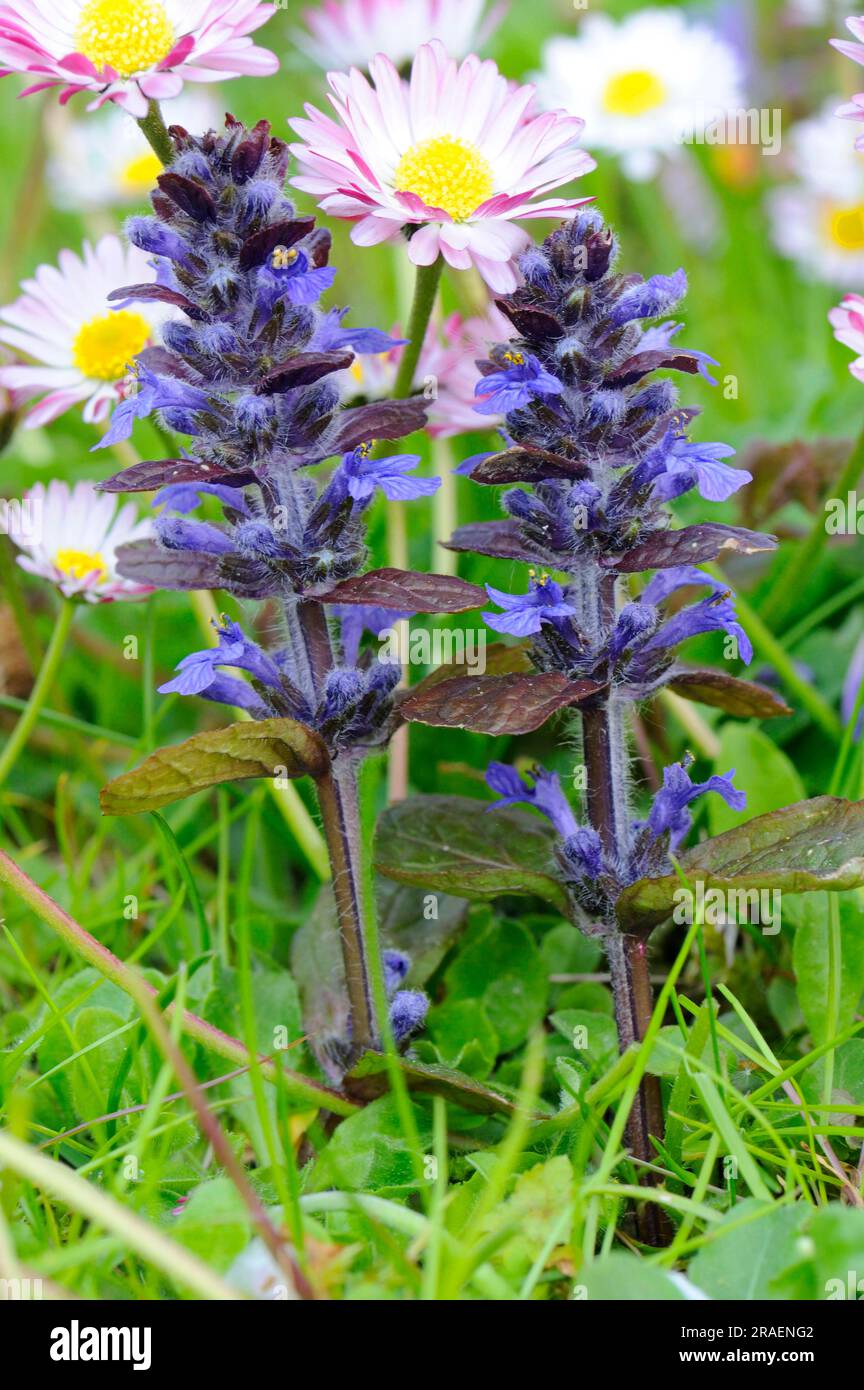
(644, 362)
(189, 195)
(515, 704)
(302, 370)
(747, 699)
(257, 248)
(164, 363)
(405, 589)
(525, 465)
(147, 562)
(160, 294)
(689, 546)
(148, 476)
(532, 323)
(379, 420)
(504, 541)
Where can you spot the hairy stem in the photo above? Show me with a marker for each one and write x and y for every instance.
(338, 799)
(605, 751)
(154, 129)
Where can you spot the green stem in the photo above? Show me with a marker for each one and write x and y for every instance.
(155, 131)
(444, 508)
(44, 681)
(832, 1013)
(10, 587)
(422, 307)
(793, 577)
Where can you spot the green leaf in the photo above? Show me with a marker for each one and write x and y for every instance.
(453, 843)
(810, 962)
(747, 1251)
(817, 844)
(423, 925)
(464, 1037)
(762, 770)
(620, 1278)
(532, 1212)
(253, 748)
(215, 1223)
(501, 968)
(369, 1077)
(369, 1152)
(593, 1035)
(830, 1257)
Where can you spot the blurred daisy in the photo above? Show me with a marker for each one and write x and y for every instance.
(72, 538)
(642, 85)
(131, 51)
(819, 221)
(452, 153)
(847, 320)
(104, 160)
(349, 33)
(81, 347)
(853, 110)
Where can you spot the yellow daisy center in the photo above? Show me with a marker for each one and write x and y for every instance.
(127, 35)
(138, 175)
(845, 227)
(78, 564)
(447, 173)
(633, 93)
(105, 346)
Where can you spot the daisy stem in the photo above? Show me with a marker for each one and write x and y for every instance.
(425, 295)
(155, 131)
(44, 681)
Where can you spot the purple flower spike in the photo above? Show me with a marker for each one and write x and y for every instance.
(669, 811)
(545, 796)
(524, 380)
(525, 614)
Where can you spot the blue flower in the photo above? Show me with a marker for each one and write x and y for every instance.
(198, 670)
(653, 297)
(714, 614)
(669, 811)
(688, 464)
(545, 795)
(154, 393)
(525, 614)
(359, 474)
(660, 337)
(357, 618)
(525, 379)
(176, 533)
(288, 276)
(185, 497)
(407, 1013)
(329, 336)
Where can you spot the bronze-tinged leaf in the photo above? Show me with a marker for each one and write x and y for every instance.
(262, 748)
(408, 590)
(534, 324)
(644, 362)
(689, 546)
(147, 562)
(515, 704)
(747, 699)
(303, 370)
(148, 476)
(525, 465)
(379, 420)
(503, 540)
(159, 294)
(471, 849)
(806, 848)
(189, 196)
(500, 659)
(256, 248)
(368, 1079)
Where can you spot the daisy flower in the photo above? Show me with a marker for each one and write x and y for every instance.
(853, 110)
(105, 161)
(819, 220)
(452, 154)
(349, 33)
(81, 347)
(643, 84)
(131, 51)
(73, 540)
(847, 320)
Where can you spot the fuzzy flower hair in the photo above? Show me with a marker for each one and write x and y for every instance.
(131, 51)
(453, 155)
